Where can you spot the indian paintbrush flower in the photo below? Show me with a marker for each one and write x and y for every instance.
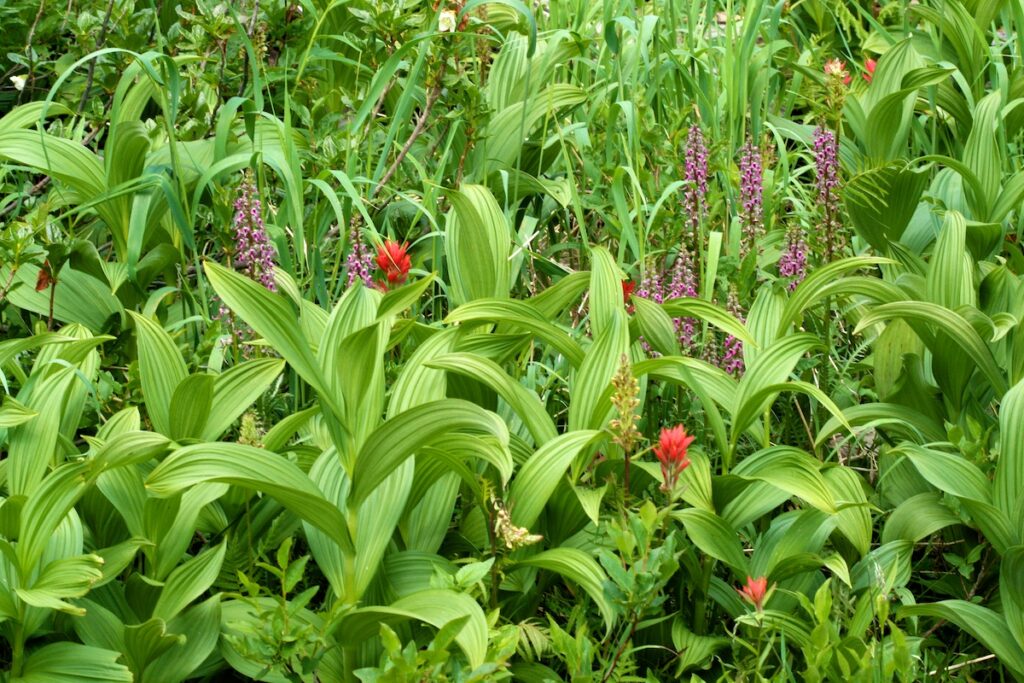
(754, 591)
(393, 259)
(869, 69)
(671, 453)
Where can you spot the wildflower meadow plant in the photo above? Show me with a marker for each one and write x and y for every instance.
(830, 230)
(254, 253)
(695, 176)
(751, 196)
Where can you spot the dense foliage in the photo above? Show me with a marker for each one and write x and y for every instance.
(572, 340)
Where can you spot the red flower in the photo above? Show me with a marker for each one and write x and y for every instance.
(671, 452)
(754, 591)
(44, 279)
(393, 259)
(869, 67)
(627, 289)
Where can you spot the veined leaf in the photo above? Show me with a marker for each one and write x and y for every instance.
(525, 403)
(539, 476)
(518, 314)
(951, 324)
(982, 623)
(436, 607)
(578, 566)
(398, 438)
(253, 468)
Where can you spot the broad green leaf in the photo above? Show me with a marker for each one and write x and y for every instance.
(588, 404)
(436, 607)
(161, 370)
(525, 403)
(253, 468)
(715, 537)
(522, 315)
(32, 445)
(578, 566)
(477, 244)
(190, 407)
(952, 325)
(791, 470)
(1011, 591)
(73, 663)
(190, 580)
(13, 413)
(1008, 487)
(772, 367)
(235, 390)
(605, 290)
(815, 286)
(982, 623)
(710, 313)
(271, 316)
(918, 517)
(539, 476)
(950, 473)
(398, 438)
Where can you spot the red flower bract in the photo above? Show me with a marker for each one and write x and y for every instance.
(869, 67)
(754, 591)
(393, 259)
(627, 290)
(671, 453)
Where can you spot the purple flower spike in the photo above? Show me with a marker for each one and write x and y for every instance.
(253, 251)
(696, 177)
(732, 348)
(683, 283)
(360, 260)
(830, 232)
(793, 262)
(751, 196)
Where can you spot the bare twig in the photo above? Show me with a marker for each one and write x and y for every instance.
(961, 665)
(92, 62)
(421, 125)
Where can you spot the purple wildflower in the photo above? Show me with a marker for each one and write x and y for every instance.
(793, 262)
(751, 195)
(732, 348)
(696, 178)
(683, 283)
(652, 287)
(830, 228)
(360, 260)
(254, 252)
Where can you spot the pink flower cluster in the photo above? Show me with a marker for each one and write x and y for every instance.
(695, 175)
(793, 262)
(826, 162)
(254, 252)
(751, 195)
(360, 260)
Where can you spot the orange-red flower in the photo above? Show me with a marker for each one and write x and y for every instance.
(671, 453)
(754, 591)
(393, 259)
(628, 287)
(869, 68)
